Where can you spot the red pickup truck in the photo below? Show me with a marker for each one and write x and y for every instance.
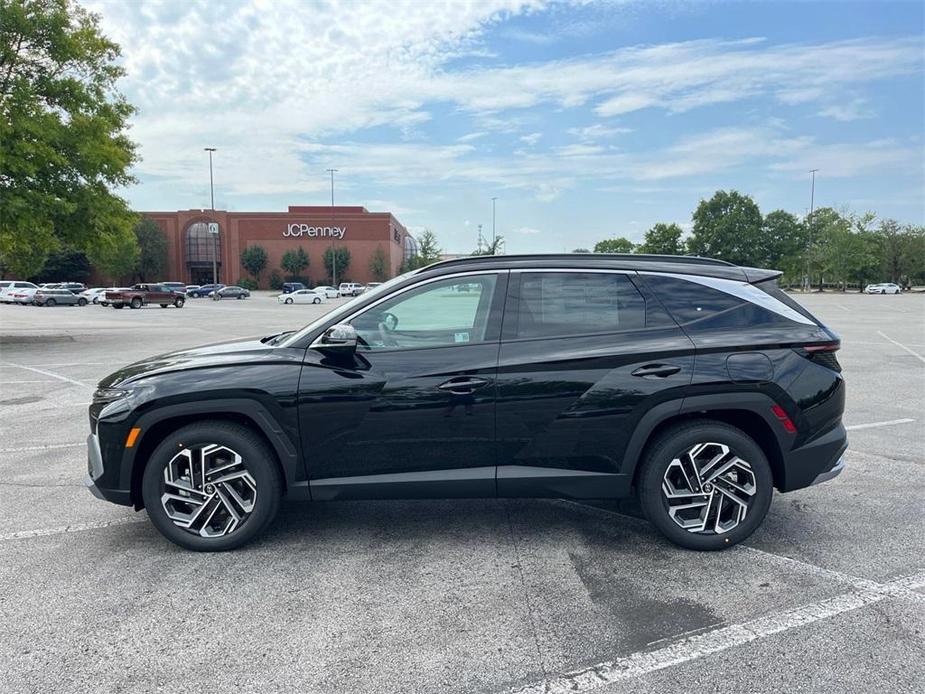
(142, 294)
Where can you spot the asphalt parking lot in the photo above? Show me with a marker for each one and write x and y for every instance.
(453, 596)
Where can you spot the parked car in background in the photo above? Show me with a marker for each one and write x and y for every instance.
(75, 287)
(329, 292)
(350, 289)
(203, 291)
(696, 385)
(176, 286)
(144, 294)
(7, 287)
(289, 287)
(303, 296)
(372, 285)
(191, 287)
(94, 294)
(232, 292)
(22, 296)
(103, 301)
(883, 288)
(57, 297)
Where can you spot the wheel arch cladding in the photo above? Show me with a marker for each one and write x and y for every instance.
(158, 428)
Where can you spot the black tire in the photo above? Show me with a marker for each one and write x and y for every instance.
(81, 302)
(259, 461)
(288, 301)
(118, 305)
(136, 302)
(51, 302)
(676, 441)
(179, 302)
(316, 300)
(164, 305)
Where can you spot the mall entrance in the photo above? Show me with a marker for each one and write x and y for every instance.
(201, 249)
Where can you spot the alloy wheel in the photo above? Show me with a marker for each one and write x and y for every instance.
(208, 490)
(708, 489)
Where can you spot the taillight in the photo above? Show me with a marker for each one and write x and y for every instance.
(822, 353)
(784, 419)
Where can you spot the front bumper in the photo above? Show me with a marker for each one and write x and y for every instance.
(95, 471)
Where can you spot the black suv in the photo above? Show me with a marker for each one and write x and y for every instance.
(697, 385)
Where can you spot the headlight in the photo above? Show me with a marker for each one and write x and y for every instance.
(106, 395)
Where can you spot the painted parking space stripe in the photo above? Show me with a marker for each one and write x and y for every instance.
(48, 373)
(874, 425)
(901, 346)
(76, 528)
(46, 447)
(716, 641)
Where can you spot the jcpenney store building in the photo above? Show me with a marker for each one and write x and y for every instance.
(191, 245)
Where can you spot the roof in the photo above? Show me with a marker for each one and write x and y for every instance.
(678, 264)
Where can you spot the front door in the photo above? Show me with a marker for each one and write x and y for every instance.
(413, 413)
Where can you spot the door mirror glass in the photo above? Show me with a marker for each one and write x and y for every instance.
(338, 339)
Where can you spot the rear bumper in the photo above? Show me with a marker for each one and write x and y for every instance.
(95, 473)
(818, 461)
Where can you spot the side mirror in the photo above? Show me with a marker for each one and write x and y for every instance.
(338, 339)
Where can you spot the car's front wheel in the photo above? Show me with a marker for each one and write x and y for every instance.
(212, 486)
(288, 301)
(136, 302)
(179, 302)
(316, 300)
(705, 485)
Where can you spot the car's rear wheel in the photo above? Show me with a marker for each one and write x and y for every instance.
(316, 300)
(51, 302)
(136, 302)
(212, 486)
(164, 305)
(81, 302)
(179, 302)
(705, 485)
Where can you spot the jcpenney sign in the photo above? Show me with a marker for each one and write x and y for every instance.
(308, 230)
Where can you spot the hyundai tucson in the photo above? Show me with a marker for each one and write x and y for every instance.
(698, 386)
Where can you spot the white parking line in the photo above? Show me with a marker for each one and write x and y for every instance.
(901, 346)
(48, 373)
(80, 527)
(49, 446)
(874, 425)
(724, 638)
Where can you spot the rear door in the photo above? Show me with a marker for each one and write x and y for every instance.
(584, 355)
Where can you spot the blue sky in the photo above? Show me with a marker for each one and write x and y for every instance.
(585, 119)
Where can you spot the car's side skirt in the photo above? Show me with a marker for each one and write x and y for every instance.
(476, 482)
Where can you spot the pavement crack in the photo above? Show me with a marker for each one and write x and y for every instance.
(527, 601)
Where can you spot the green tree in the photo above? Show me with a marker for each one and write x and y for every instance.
(379, 265)
(429, 250)
(65, 265)
(580, 250)
(728, 227)
(63, 142)
(783, 244)
(152, 245)
(492, 247)
(616, 245)
(340, 256)
(254, 260)
(116, 256)
(294, 261)
(662, 239)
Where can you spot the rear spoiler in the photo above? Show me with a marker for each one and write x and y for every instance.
(754, 275)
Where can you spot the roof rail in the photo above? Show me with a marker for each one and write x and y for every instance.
(636, 257)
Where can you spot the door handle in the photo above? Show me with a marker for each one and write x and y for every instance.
(656, 370)
(463, 385)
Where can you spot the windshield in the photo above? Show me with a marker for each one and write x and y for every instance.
(344, 310)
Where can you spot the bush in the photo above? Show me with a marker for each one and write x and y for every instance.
(276, 282)
(248, 284)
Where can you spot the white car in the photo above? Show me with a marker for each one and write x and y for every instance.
(883, 288)
(372, 285)
(329, 292)
(95, 294)
(9, 286)
(350, 289)
(22, 296)
(302, 296)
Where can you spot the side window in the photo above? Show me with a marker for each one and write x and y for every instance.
(556, 304)
(447, 312)
(699, 308)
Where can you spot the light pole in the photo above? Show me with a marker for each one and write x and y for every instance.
(215, 236)
(493, 242)
(333, 250)
(809, 242)
(480, 239)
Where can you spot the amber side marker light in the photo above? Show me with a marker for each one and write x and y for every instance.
(132, 437)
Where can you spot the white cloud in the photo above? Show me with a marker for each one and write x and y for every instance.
(855, 109)
(531, 139)
(598, 131)
(528, 231)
